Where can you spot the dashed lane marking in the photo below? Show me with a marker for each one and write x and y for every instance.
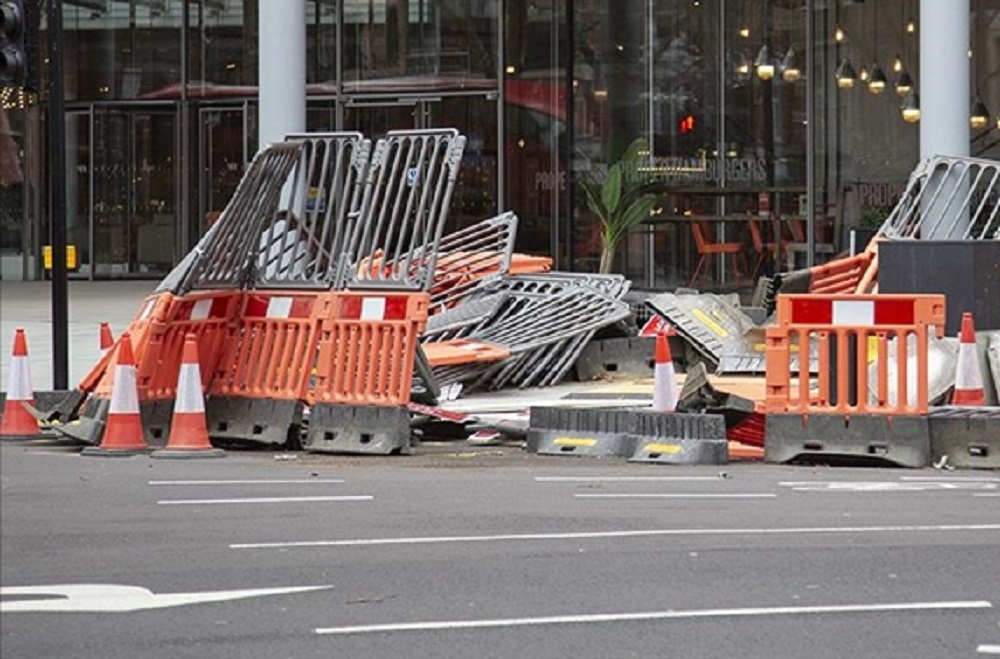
(599, 535)
(680, 495)
(202, 502)
(885, 486)
(656, 615)
(988, 649)
(276, 481)
(621, 479)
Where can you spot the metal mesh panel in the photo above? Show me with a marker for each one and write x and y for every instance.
(406, 201)
(306, 241)
(224, 256)
(948, 198)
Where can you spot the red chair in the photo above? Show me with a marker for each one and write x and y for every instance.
(763, 248)
(708, 247)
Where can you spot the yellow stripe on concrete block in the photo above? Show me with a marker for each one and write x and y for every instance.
(662, 448)
(573, 441)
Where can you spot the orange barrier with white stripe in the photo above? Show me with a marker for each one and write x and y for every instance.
(841, 324)
(367, 347)
(155, 309)
(270, 351)
(207, 315)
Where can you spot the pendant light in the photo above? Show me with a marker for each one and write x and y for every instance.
(980, 116)
(846, 77)
(910, 109)
(764, 63)
(904, 83)
(877, 79)
(790, 71)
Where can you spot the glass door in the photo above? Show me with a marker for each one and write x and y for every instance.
(222, 155)
(79, 187)
(375, 118)
(133, 188)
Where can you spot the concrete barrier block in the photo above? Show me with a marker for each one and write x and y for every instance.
(861, 438)
(268, 422)
(358, 429)
(966, 437)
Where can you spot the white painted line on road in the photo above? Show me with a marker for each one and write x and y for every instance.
(596, 535)
(885, 486)
(990, 494)
(685, 495)
(620, 479)
(199, 502)
(655, 615)
(111, 598)
(988, 649)
(276, 481)
(972, 479)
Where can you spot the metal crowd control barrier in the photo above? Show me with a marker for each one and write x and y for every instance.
(227, 255)
(948, 198)
(306, 242)
(469, 257)
(852, 408)
(406, 200)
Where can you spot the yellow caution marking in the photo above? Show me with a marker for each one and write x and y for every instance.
(709, 323)
(663, 448)
(573, 441)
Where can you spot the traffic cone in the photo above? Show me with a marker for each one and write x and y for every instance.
(665, 393)
(968, 378)
(18, 423)
(189, 429)
(123, 430)
(107, 340)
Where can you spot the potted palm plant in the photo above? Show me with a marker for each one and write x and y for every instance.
(619, 198)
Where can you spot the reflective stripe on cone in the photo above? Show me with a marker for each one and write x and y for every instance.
(188, 428)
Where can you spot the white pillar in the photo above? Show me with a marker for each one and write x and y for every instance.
(282, 69)
(944, 105)
(943, 82)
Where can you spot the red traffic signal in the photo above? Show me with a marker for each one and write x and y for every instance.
(686, 124)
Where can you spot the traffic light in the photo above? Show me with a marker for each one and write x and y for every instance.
(13, 55)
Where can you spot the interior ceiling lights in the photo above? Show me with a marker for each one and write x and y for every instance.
(846, 76)
(910, 108)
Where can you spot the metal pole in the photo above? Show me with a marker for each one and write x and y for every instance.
(810, 141)
(57, 204)
(570, 137)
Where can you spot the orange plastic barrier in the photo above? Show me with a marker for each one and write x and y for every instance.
(367, 347)
(840, 276)
(462, 351)
(155, 309)
(269, 352)
(525, 264)
(834, 322)
(207, 315)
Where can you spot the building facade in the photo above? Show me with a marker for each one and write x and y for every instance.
(732, 98)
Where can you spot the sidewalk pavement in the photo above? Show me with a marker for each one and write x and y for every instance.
(28, 305)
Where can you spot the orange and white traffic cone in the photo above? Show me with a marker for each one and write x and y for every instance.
(968, 377)
(665, 392)
(123, 432)
(18, 423)
(107, 340)
(188, 428)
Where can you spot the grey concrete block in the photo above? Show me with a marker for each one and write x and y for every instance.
(358, 429)
(876, 439)
(966, 437)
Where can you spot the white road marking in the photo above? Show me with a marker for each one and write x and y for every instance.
(988, 649)
(277, 481)
(200, 502)
(973, 479)
(885, 486)
(654, 615)
(991, 494)
(642, 533)
(107, 598)
(756, 495)
(620, 479)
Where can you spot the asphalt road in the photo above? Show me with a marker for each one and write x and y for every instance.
(492, 553)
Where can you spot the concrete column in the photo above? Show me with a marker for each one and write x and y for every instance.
(282, 66)
(943, 85)
(943, 82)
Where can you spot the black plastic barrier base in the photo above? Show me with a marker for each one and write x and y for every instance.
(269, 422)
(358, 429)
(875, 439)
